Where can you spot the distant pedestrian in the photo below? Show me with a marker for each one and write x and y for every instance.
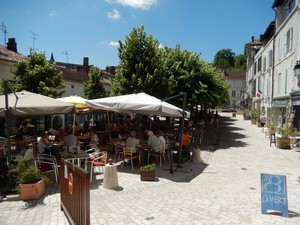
(262, 120)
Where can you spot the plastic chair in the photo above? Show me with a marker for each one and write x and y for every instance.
(98, 162)
(161, 153)
(128, 155)
(46, 163)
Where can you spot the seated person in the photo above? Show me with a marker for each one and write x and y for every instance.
(76, 129)
(94, 139)
(29, 154)
(161, 138)
(85, 127)
(44, 142)
(60, 135)
(114, 133)
(132, 141)
(21, 143)
(70, 139)
(153, 141)
(45, 146)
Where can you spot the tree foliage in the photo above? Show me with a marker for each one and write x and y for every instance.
(39, 76)
(241, 62)
(94, 88)
(224, 59)
(140, 68)
(164, 72)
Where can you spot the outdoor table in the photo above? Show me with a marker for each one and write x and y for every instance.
(59, 146)
(76, 158)
(84, 139)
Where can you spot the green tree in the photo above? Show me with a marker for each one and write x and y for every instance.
(39, 76)
(224, 59)
(165, 72)
(241, 62)
(140, 67)
(94, 88)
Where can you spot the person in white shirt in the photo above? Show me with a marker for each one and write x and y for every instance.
(161, 138)
(153, 141)
(29, 155)
(132, 141)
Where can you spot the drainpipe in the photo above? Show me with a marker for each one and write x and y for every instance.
(273, 65)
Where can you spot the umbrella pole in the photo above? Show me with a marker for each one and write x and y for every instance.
(74, 119)
(108, 124)
(182, 128)
(7, 118)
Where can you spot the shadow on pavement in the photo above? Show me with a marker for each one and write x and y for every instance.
(222, 135)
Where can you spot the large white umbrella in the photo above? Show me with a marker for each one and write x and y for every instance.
(140, 103)
(25, 103)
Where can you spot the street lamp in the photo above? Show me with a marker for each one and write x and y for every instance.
(297, 72)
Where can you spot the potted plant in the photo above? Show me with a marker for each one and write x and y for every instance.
(30, 181)
(254, 116)
(287, 132)
(147, 172)
(272, 129)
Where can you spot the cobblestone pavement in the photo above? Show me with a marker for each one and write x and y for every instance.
(224, 189)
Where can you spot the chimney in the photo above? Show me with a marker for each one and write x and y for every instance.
(12, 45)
(252, 38)
(85, 68)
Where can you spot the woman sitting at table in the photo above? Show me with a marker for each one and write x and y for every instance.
(43, 142)
(94, 139)
(132, 141)
(45, 146)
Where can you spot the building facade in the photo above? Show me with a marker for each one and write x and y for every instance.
(271, 82)
(237, 87)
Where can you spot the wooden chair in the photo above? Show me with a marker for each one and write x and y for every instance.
(118, 151)
(98, 162)
(128, 156)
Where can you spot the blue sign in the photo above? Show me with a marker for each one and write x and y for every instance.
(274, 194)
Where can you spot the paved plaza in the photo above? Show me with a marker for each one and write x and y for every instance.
(223, 189)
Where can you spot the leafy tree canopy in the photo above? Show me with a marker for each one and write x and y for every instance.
(165, 72)
(94, 88)
(224, 59)
(241, 62)
(39, 76)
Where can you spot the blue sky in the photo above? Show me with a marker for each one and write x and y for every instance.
(73, 29)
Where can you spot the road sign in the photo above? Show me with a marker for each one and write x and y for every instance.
(70, 183)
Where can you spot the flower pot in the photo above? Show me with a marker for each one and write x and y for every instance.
(32, 191)
(253, 121)
(284, 143)
(147, 175)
